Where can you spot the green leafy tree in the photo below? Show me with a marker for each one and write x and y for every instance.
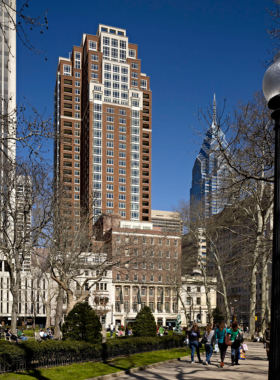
(145, 324)
(82, 323)
(217, 315)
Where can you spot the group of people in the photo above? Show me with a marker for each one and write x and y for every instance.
(161, 331)
(227, 337)
(19, 335)
(118, 332)
(46, 334)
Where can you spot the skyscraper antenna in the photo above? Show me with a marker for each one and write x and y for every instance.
(214, 110)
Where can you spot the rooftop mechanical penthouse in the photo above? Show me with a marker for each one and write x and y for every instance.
(103, 124)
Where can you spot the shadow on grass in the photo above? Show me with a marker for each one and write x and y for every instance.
(131, 362)
(36, 373)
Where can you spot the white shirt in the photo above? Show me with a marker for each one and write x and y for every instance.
(111, 327)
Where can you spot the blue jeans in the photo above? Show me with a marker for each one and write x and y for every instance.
(194, 347)
(209, 352)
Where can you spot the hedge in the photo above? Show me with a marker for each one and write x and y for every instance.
(33, 352)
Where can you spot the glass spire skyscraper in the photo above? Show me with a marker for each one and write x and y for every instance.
(207, 171)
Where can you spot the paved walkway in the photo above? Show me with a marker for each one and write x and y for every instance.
(254, 367)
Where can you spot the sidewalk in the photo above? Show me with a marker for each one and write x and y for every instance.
(254, 367)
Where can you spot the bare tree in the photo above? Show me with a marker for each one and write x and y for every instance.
(249, 157)
(17, 20)
(25, 214)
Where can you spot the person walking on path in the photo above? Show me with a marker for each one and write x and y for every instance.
(267, 340)
(220, 335)
(194, 336)
(209, 336)
(111, 329)
(236, 339)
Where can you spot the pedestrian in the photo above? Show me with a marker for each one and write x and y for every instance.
(126, 330)
(209, 336)
(194, 336)
(220, 335)
(216, 347)
(267, 340)
(111, 329)
(236, 339)
(161, 331)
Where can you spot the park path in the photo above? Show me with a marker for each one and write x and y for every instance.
(255, 367)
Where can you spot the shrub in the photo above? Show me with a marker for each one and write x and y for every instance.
(82, 323)
(37, 354)
(145, 324)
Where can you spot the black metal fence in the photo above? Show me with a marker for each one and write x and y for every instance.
(106, 351)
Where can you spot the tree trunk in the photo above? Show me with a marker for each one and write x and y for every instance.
(14, 314)
(268, 309)
(264, 294)
(253, 296)
(224, 295)
(184, 307)
(58, 315)
(208, 298)
(71, 302)
(14, 288)
(48, 315)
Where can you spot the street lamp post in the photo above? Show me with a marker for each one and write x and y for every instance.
(271, 90)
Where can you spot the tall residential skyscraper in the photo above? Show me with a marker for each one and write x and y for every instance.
(207, 171)
(103, 125)
(8, 75)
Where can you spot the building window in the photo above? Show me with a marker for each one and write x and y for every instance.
(77, 60)
(143, 84)
(132, 53)
(92, 45)
(77, 74)
(176, 243)
(94, 57)
(198, 301)
(151, 306)
(67, 70)
(134, 83)
(167, 241)
(109, 204)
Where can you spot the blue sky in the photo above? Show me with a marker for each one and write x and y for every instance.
(190, 49)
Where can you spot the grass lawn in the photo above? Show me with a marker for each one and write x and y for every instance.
(88, 370)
